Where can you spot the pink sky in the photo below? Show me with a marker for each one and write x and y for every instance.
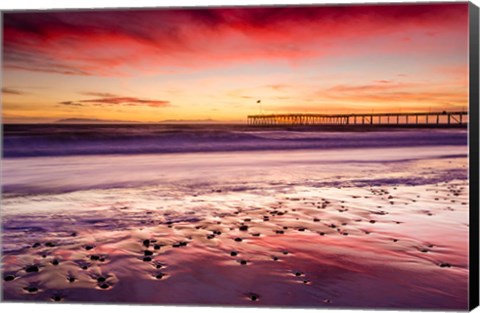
(152, 65)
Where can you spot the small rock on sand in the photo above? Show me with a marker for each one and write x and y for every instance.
(31, 269)
(8, 277)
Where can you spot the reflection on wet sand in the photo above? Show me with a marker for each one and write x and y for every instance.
(282, 242)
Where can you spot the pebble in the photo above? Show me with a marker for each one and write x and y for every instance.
(9, 278)
(31, 269)
(234, 253)
(253, 297)
(238, 239)
(243, 228)
(31, 289)
(57, 298)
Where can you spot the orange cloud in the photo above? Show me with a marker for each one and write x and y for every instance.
(117, 100)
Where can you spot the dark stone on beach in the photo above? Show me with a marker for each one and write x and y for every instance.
(445, 265)
(104, 286)
(298, 274)
(101, 279)
(395, 240)
(49, 244)
(279, 231)
(253, 297)
(84, 267)
(424, 250)
(266, 219)
(88, 247)
(74, 234)
(306, 281)
(316, 220)
(71, 279)
(285, 252)
(180, 244)
(102, 259)
(372, 221)
(156, 247)
(210, 236)
(36, 245)
(216, 232)
(159, 276)
(146, 243)
(234, 253)
(55, 262)
(275, 258)
(9, 277)
(57, 298)
(243, 262)
(301, 229)
(243, 228)
(147, 252)
(147, 259)
(31, 269)
(322, 234)
(345, 234)
(94, 257)
(256, 234)
(31, 289)
(238, 239)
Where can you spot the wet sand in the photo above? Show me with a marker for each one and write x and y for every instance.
(377, 234)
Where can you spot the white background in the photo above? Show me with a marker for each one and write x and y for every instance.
(77, 308)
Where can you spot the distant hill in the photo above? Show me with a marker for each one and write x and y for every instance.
(90, 121)
(100, 121)
(206, 121)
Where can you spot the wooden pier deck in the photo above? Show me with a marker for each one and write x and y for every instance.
(431, 119)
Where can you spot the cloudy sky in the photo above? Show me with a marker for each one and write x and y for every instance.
(153, 65)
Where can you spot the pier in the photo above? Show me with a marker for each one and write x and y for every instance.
(432, 119)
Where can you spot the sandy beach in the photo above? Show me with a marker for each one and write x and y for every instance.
(379, 228)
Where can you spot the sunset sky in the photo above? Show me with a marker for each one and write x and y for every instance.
(195, 64)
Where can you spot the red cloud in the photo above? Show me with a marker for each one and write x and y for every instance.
(109, 42)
